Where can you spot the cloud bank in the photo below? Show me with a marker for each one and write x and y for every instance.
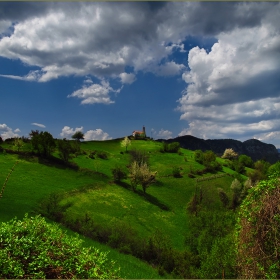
(97, 134)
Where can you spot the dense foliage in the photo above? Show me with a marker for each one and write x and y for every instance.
(208, 159)
(258, 231)
(43, 143)
(173, 147)
(32, 248)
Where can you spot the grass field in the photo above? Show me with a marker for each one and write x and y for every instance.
(163, 207)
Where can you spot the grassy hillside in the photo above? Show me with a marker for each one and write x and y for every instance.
(91, 193)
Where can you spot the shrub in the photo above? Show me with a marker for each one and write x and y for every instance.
(170, 148)
(65, 149)
(100, 154)
(176, 172)
(198, 156)
(257, 232)
(140, 157)
(18, 143)
(118, 173)
(32, 248)
(246, 160)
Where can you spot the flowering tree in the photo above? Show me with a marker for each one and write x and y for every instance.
(229, 154)
(125, 143)
(140, 174)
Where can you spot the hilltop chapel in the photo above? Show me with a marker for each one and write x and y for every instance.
(137, 133)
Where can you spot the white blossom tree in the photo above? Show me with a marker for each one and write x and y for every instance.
(125, 143)
(229, 154)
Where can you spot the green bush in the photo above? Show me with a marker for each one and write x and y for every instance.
(176, 172)
(257, 231)
(171, 148)
(32, 248)
(118, 173)
(100, 154)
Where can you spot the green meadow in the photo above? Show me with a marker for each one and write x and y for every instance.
(91, 191)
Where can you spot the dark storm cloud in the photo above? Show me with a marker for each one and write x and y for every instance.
(211, 18)
(17, 11)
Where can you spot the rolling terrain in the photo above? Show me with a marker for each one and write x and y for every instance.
(87, 194)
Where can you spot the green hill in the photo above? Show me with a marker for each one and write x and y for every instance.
(153, 227)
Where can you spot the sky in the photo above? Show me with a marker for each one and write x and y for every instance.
(207, 69)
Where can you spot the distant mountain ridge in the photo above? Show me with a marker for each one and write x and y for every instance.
(254, 148)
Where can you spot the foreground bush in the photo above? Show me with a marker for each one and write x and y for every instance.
(258, 231)
(32, 248)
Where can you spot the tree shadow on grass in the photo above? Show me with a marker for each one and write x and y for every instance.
(124, 185)
(152, 199)
(146, 196)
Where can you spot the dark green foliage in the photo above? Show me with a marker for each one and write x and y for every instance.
(194, 204)
(34, 133)
(258, 231)
(208, 159)
(76, 147)
(274, 169)
(33, 248)
(51, 208)
(238, 166)
(176, 172)
(78, 135)
(260, 172)
(65, 149)
(198, 156)
(139, 156)
(43, 143)
(118, 173)
(99, 154)
(246, 161)
(210, 240)
(1, 140)
(223, 197)
(262, 166)
(173, 147)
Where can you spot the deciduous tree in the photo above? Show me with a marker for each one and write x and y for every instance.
(125, 143)
(43, 143)
(140, 174)
(229, 154)
(78, 135)
(18, 143)
(65, 149)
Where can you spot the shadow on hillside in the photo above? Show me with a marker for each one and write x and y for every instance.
(29, 158)
(158, 183)
(124, 185)
(58, 163)
(153, 200)
(146, 196)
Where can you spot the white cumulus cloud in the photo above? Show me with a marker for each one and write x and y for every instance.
(127, 78)
(95, 93)
(7, 132)
(67, 132)
(97, 134)
(162, 134)
(233, 91)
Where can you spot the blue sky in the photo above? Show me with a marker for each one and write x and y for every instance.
(207, 69)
